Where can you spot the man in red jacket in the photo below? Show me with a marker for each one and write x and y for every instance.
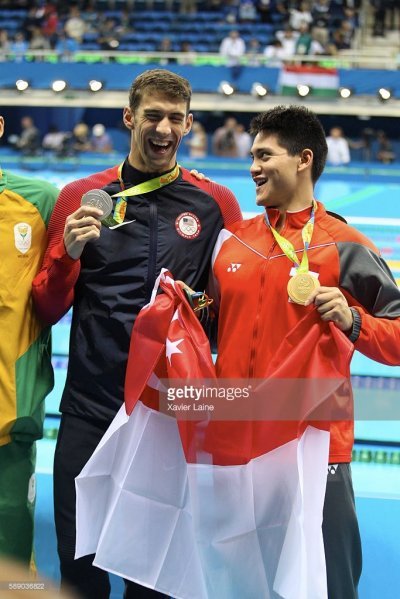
(274, 270)
(162, 217)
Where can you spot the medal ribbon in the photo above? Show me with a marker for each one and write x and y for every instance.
(145, 187)
(287, 247)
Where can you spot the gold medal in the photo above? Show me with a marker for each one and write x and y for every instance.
(301, 286)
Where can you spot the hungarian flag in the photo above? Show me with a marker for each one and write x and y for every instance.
(323, 81)
(202, 507)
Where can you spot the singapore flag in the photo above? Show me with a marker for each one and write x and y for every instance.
(191, 507)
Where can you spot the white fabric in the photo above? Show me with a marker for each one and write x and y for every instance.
(202, 531)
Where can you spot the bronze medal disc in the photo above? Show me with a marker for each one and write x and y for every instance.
(300, 287)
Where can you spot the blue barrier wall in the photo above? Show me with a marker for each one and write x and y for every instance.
(203, 78)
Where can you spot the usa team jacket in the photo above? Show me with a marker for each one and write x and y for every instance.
(26, 374)
(255, 313)
(174, 227)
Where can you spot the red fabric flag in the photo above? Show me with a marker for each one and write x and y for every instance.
(307, 380)
(169, 514)
(168, 340)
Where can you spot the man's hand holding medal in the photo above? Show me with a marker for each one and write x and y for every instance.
(332, 305)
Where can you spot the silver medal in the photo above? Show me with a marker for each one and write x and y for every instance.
(99, 199)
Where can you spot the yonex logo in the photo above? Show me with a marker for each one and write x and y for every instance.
(233, 267)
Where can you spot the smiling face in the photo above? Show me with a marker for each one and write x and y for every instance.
(157, 124)
(282, 181)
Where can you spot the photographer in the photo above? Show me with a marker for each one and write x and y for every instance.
(224, 139)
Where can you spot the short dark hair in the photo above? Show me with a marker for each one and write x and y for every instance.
(296, 128)
(162, 81)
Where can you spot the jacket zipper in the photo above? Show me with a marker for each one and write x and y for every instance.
(152, 263)
(253, 350)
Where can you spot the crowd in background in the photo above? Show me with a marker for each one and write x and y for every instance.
(62, 143)
(299, 26)
(229, 140)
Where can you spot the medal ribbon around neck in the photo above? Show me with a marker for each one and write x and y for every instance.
(145, 187)
(287, 247)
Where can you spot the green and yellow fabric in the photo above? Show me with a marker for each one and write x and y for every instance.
(26, 374)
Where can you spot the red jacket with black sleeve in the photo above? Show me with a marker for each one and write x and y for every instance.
(255, 314)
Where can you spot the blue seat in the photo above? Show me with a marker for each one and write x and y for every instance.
(132, 37)
(210, 17)
(262, 28)
(153, 26)
(13, 14)
(113, 14)
(147, 15)
(89, 46)
(200, 47)
(11, 25)
(90, 37)
(136, 47)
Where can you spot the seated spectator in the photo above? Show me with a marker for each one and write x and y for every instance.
(247, 12)
(188, 7)
(338, 147)
(275, 54)
(233, 48)
(189, 54)
(38, 40)
(5, 45)
(342, 38)
(300, 15)
(100, 141)
(281, 11)
(124, 26)
(224, 139)
(379, 11)
(54, 140)
(80, 141)
(92, 17)
(66, 47)
(108, 36)
(197, 141)
(351, 16)
(253, 53)
(288, 39)
(243, 141)
(19, 47)
(265, 10)
(214, 5)
(320, 12)
(75, 26)
(34, 18)
(165, 47)
(385, 152)
(306, 44)
(364, 143)
(29, 140)
(321, 20)
(50, 24)
(393, 11)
